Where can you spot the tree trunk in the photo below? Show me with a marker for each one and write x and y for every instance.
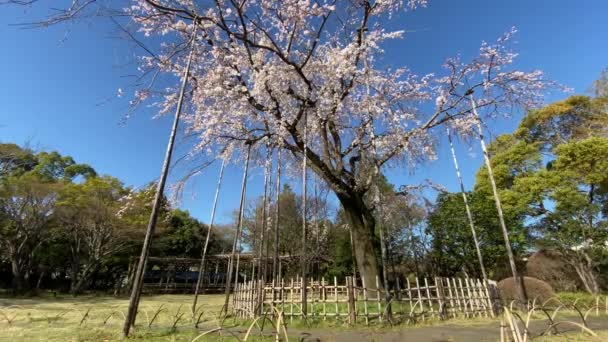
(83, 278)
(587, 276)
(362, 227)
(352, 251)
(39, 281)
(74, 276)
(18, 277)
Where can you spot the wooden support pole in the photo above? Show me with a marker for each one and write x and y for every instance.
(262, 264)
(201, 269)
(160, 189)
(303, 259)
(521, 293)
(467, 208)
(236, 233)
(275, 259)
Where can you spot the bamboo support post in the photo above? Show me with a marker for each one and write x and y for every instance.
(440, 297)
(420, 298)
(336, 295)
(465, 302)
(428, 296)
(472, 295)
(486, 286)
(409, 292)
(291, 301)
(365, 309)
(352, 311)
(323, 298)
(379, 299)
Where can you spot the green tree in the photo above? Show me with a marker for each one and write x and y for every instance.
(341, 262)
(136, 206)
(290, 221)
(51, 166)
(452, 248)
(181, 235)
(29, 186)
(401, 214)
(550, 174)
(26, 208)
(576, 186)
(15, 160)
(87, 214)
(290, 227)
(575, 118)
(600, 86)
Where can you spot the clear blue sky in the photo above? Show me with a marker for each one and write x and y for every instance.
(58, 85)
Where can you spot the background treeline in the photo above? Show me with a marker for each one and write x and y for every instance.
(64, 227)
(552, 175)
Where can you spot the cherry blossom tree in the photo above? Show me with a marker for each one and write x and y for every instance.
(262, 66)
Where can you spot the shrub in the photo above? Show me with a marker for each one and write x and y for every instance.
(581, 298)
(535, 288)
(548, 265)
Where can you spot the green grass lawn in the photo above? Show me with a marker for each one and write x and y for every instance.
(168, 318)
(97, 318)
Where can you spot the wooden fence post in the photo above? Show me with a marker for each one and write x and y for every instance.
(336, 296)
(495, 297)
(290, 301)
(441, 298)
(272, 296)
(420, 298)
(365, 309)
(486, 291)
(323, 297)
(350, 289)
(379, 298)
(597, 305)
(465, 303)
(428, 296)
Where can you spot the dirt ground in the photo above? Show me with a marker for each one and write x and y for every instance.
(441, 333)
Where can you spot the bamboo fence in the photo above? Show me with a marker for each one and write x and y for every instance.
(355, 300)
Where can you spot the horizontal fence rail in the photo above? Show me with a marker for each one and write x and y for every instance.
(355, 300)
